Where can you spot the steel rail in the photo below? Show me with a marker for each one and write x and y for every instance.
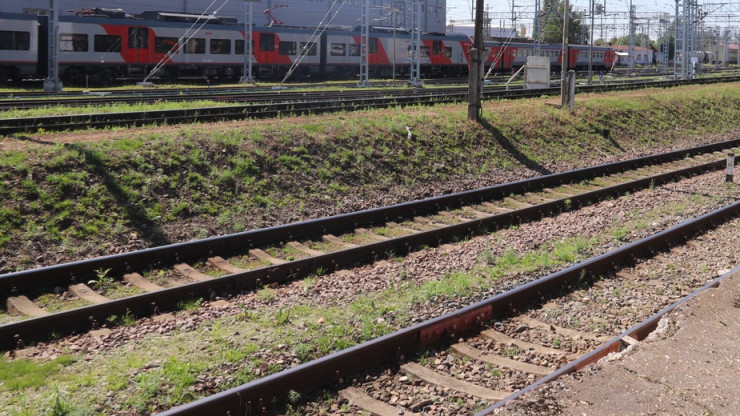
(167, 254)
(638, 332)
(261, 96)
(255, 395)
(211, 114)
(18, 333)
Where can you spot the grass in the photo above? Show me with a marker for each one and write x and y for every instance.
(105, 107)
(23, 374)
(178, 181)
(156, 184)
(304, 331)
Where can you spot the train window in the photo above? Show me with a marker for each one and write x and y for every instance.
(372, 45)
(267, 42)
(195, 45)
(221, 46)
(354, 49)
(424, 51)
(75, 42)
(448, 52)
(107, 43)
(287, 48)
(166, 45)
(239, 46)
(338, 49)
(308, 48)
(15, 41)
(437, 47)
(138, 37)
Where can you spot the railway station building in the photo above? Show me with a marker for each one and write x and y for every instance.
(294, 13)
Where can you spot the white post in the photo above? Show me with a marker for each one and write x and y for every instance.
(730, 167)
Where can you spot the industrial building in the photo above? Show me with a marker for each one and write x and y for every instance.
(294, 13)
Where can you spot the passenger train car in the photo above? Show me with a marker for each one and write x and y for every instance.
(103, 45)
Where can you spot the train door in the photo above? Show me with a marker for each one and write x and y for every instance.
(322, 53)
(136, 54)
(573, 61)
(508, 58)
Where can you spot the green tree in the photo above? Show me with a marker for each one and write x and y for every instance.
(552, 24)
(640, 39)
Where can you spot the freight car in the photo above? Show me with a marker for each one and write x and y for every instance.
(104, 45)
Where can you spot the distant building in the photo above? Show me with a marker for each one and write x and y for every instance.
(302, 13)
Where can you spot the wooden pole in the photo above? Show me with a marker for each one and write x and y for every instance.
(475, 76)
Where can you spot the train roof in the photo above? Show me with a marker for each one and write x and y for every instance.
(185, 17)
(18, 16)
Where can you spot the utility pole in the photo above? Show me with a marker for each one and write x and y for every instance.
(536, 34)
(475, 77)
(364, 45)
(247, 71)
(631, 50)
(52, 82)
(564, 65)
(415, 80)
(592, 9)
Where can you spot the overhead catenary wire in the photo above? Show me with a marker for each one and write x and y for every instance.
(321, 28)
(176, 47)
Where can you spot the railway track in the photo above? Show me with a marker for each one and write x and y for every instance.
(302, 103)
(477, 358)
(149, 281)
(536, 333)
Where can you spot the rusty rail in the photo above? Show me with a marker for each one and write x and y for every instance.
(258, 394)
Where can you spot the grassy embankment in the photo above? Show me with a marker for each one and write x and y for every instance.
(176, 184)
(204, 180)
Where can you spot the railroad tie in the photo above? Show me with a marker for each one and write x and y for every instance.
(495, 208)
(451, 217)
(402, 228)
(305, 249)
(540, 349)
(139, 281)
(432, 377)
(360, 399)
(220, 263)
(474, 213)
(518, 204)
(329, 238)
(263, 255)
(558, 195)
(476, 354)
(21, 305)
(429, 222)
(560, 330)
(190, 273)
(629, 340)
(372, 234)
(84, 291)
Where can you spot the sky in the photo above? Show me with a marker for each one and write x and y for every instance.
(614, 23)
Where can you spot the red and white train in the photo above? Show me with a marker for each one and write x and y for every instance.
(109, 44)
